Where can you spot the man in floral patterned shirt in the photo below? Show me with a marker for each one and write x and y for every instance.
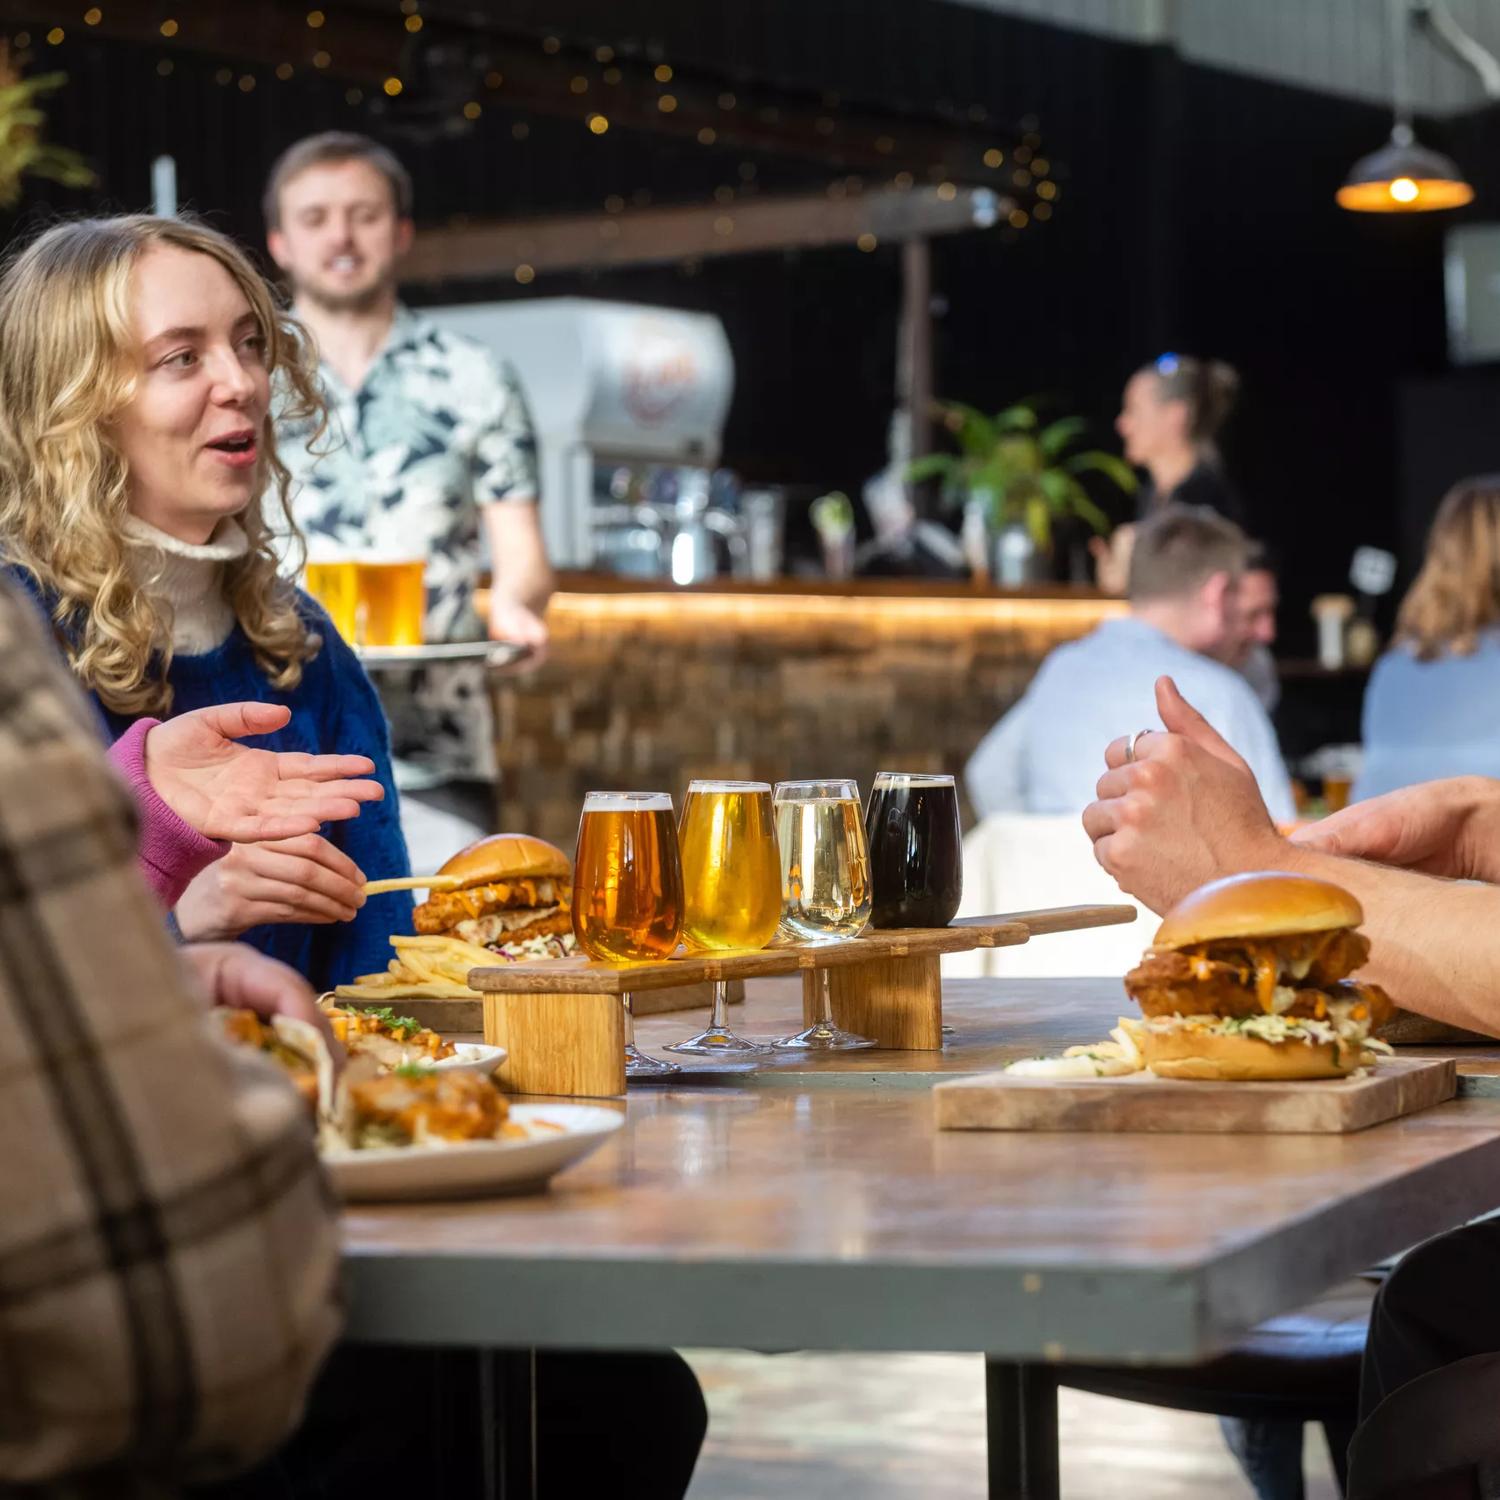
(430, 452)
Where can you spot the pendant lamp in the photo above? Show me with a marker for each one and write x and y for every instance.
(1404, 176)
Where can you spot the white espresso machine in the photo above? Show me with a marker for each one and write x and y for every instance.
(623, 397)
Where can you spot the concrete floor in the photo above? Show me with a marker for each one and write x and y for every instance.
(911, 1427)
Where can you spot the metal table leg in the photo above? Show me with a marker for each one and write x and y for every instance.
(1021, 1422)
(507, 1424)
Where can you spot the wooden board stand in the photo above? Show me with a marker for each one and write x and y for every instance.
(1144, 1102)
(884, 984)
(558, 1044)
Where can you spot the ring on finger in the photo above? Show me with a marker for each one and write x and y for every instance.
(1132, 742)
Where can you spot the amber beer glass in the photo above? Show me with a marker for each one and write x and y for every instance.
(916, 850)
(825, 886)
(627, 891)
(731, 879)
(392, 602)
(334, 583)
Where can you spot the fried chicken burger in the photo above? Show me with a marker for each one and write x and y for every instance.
(514, 898)
(1248, 979)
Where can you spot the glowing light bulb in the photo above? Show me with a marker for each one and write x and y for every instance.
(1404, 190)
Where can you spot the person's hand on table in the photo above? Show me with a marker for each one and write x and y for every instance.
(228, 791)
(1449, 828)
(303, 879)
(239, 978)
(1181, 810)
(513, 622)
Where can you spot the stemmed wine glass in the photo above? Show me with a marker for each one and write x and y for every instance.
(825, 887)
(731, 880)
(627, 892)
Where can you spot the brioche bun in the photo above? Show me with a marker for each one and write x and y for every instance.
(508, 856)
(1199, 1053)
(1270, 904)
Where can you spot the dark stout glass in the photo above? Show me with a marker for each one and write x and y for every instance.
(916, 855)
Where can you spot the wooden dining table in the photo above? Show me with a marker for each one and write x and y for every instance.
(812, 1204)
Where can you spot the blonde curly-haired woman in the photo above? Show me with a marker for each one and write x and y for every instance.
(136, 443)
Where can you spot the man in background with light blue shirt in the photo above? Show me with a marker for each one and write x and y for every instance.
(1185, 622)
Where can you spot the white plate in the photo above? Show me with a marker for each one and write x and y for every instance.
(471, 1057)
(476, 1169)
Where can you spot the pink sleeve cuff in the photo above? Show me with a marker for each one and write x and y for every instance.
(171, 852)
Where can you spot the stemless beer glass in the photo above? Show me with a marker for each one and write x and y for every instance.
(916, 851)
(334, 583)
(627, 892)
(825, 887)
(731, 882)
(392, 601)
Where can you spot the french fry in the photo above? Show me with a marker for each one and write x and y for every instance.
(412, 883)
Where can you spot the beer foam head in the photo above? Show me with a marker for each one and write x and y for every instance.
(911, 779)
(729, 786)
(618, 802)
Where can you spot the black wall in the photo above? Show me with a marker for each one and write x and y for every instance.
(1196, 214)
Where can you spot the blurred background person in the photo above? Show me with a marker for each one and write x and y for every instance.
(429, 454)
(133, 465)
(1170, 417)
(1432, 708)
(1185, 620)
(1260, 598)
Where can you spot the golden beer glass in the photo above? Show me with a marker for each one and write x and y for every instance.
(825, 887)
(334, 583)
(392, 602)
(627, 892)
(731, 883)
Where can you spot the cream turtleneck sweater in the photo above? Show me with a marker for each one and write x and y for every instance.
(188, 578)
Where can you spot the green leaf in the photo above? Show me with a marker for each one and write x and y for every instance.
(1017, 418)
(1096, 462)
(1039, 521)
(934, 466)
(1056, 436)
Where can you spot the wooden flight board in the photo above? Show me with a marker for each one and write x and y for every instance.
(561, 1022)
(582, 976)
(1142, 1102)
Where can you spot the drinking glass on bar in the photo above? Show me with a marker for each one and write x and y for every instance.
(731, 882)
(627, 892)
(825, 887)
(916, 850)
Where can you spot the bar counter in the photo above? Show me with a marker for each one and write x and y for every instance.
(648, 685)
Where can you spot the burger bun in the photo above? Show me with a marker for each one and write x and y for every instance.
(1266, 905)
(508, 856)
(1200, 1053)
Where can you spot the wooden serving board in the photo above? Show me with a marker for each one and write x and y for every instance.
(459, 1016)
(1145, 1103)
(582, 976)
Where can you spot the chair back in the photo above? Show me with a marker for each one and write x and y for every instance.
(1020, 861)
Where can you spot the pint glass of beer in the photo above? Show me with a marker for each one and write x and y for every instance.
(916, 852)
(334, 583)
(825, 886)
(627, 891)
(392, 601)
(731, 880)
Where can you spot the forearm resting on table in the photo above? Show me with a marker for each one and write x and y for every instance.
(1435, 944)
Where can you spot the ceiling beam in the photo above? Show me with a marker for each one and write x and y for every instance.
(658, 235)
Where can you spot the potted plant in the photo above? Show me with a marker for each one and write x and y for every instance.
(1021, 478)
(23, 152)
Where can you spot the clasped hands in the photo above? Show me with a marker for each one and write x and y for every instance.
(1184, 809)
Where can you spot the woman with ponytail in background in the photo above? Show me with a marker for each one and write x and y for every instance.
(1170, 418)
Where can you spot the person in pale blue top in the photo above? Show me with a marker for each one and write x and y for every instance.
(1432, 708)
(1186, 622)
